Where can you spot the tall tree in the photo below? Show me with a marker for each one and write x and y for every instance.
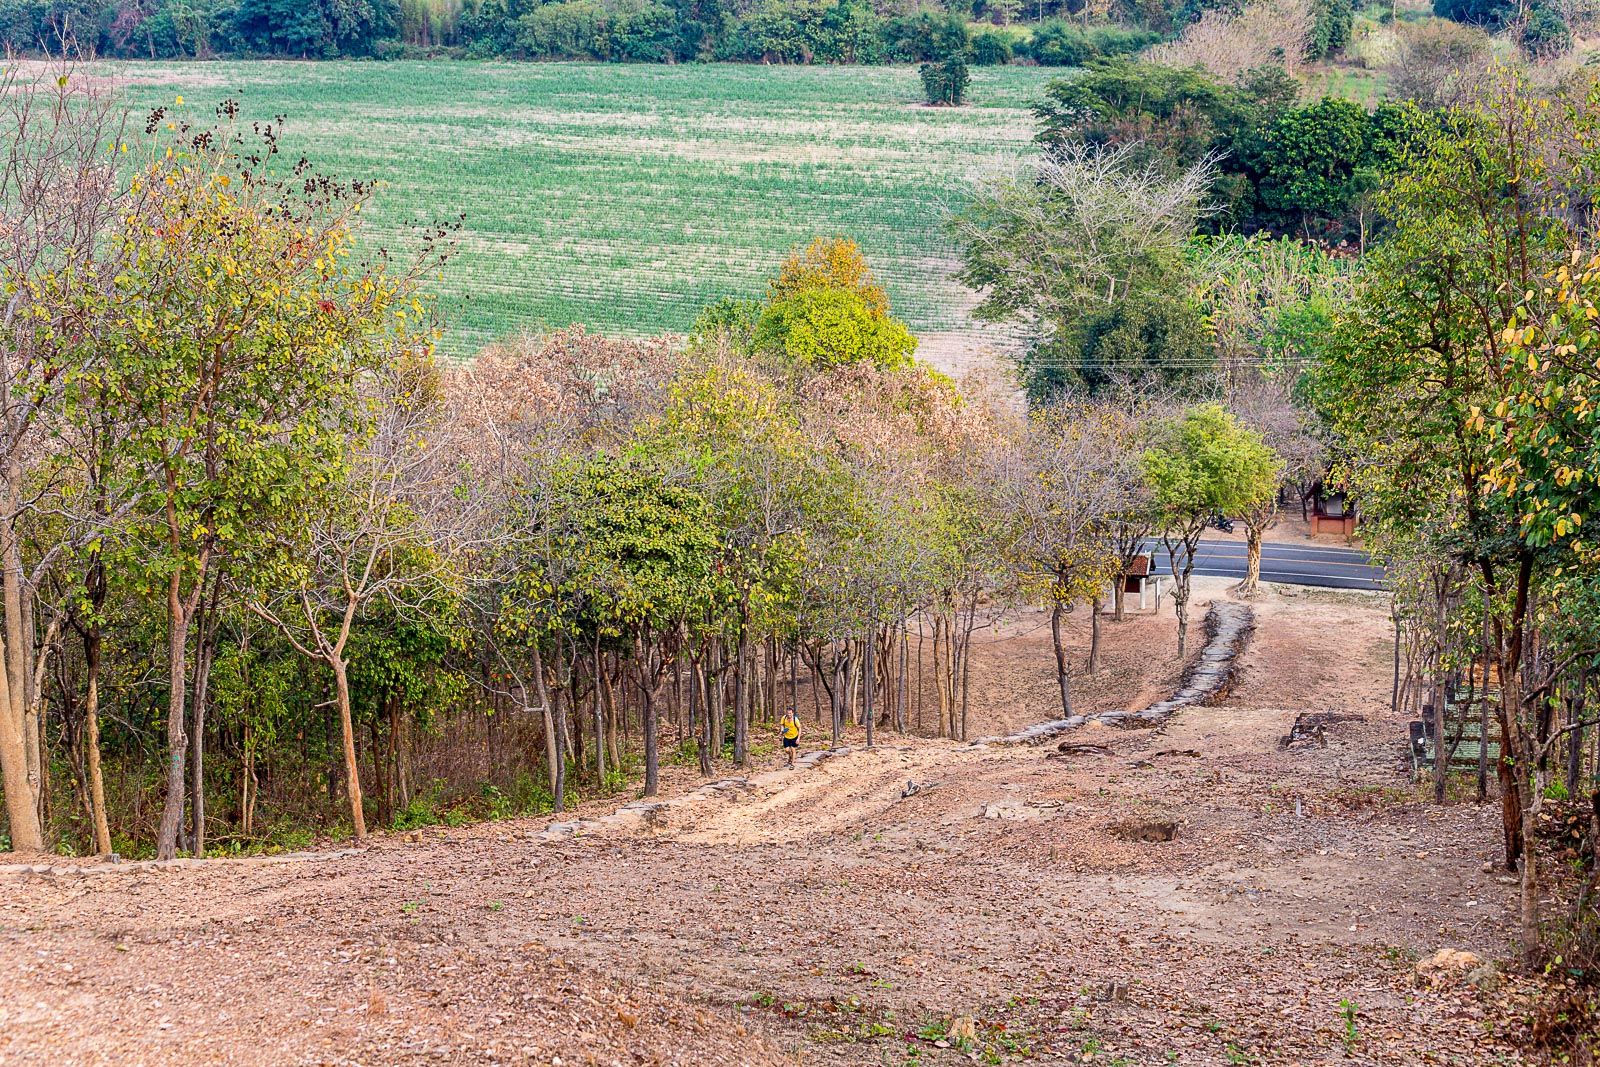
(243, 330)
(59, 198)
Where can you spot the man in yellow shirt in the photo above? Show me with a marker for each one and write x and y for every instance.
(790, 728)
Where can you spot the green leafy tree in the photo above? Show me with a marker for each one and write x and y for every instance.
(644, 548)
(1200, 466)
(822, 328)
(244, 331)
(945, 82)
(1434, 346)
(1085, 248)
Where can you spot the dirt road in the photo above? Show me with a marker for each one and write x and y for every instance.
(821, 917)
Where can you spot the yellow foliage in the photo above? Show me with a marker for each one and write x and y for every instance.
(830, 263)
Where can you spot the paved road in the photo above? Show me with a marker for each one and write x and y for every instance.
(1299, 564)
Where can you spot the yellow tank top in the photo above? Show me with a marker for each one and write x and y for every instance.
(791, 727)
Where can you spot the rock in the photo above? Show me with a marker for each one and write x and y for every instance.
(1148, 830)
(1445, 966)
(1114, 992)
(1485, 979)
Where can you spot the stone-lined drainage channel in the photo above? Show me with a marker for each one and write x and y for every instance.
(1229, 625)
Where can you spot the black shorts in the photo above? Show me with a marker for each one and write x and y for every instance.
(791, 742)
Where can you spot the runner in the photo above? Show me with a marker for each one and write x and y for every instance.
(790, 728)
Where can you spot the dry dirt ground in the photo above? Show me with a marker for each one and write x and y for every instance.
(820, 917)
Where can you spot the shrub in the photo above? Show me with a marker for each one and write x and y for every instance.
(990, 48)
(1057, 44)
(926, 36)
(1490, 14)
(1120, 40)
(1545, 33)
(945, 83)
(729, 320)
(819, 328)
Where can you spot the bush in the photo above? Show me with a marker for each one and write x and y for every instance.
(819, 328)
(1120, 40)
(945, 84)
(926, 36)
(1489, 14)
(728, 320)
(1545, 34)
(1058, 44)
(571, 29)
(991, 48)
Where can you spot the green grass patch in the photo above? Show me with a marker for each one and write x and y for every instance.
(627, 196)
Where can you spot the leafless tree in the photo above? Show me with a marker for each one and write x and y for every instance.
(1267, 32)
(1267, 406)
(395, 530)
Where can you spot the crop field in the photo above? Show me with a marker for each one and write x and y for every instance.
(626, 197)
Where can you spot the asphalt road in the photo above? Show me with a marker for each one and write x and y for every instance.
(1329, 567)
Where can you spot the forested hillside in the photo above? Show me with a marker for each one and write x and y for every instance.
(772, 31)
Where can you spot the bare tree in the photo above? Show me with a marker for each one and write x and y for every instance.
(1267, 406)
(1228, 43)
(393, 531)
(1059, 488)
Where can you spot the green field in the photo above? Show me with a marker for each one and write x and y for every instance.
(626, 197)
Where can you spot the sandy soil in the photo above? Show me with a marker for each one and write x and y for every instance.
(821, 917)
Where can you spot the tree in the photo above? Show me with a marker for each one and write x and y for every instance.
(1070, 235)
(1201, 466)
(59, 199)
(823, 310)
(945, 82)
(387, 529)
(1314, 161)
(243, 330)
(644, 548)
(1060, 493)
(828, 327)
(1267, 405)
(1480, 221)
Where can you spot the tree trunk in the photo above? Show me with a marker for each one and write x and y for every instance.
(552, 744)
(347, 730)
(871, 685)
(179, 612)
(1252, 561)
(599, 717)
(900, 686)
(1095, 615)
(205, 652)
(1063, 666)
(1180, 591)
(652, 758)
(21, 795)
(91, 743)
(741, 697)
(699, 717)
(837, 696)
